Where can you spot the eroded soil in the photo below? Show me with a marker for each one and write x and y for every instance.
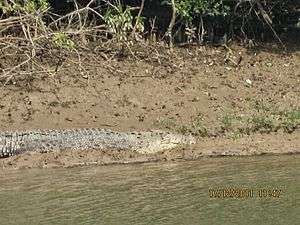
(246, 101)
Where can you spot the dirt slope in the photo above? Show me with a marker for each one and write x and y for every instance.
(207, 91)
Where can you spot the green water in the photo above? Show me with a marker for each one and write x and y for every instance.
(162, 193)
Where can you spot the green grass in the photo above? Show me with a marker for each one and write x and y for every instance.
(196, 128)
(266, 122)
(227, 122)
(291, 120)
(262, 123)
(236, 126)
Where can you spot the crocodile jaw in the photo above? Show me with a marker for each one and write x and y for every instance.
(169, 141)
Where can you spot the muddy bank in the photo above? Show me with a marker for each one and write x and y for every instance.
(205, 147)
(194, 89)
(237, 102)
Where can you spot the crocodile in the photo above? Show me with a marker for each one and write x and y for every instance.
(17, 142)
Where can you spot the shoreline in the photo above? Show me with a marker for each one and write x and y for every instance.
(253, 145)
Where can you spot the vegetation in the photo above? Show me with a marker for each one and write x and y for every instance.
(63, 41)
(31, 32)
(196, 128)
(236, 126)
(193, 13)
(32, 28)
(119, 21)
(16, 7)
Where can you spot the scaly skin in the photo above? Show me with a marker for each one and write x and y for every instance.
(13, 143)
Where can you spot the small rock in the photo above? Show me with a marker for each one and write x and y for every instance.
(196, 99)
(269, 64)
(54, 103)
(249, 82)
(141, 118)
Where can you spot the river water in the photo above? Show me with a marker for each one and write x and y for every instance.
(156, 193)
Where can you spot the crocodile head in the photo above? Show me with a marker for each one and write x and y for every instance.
(166, 141)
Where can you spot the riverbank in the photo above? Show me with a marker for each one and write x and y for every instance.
(240, 101)
(253, 145)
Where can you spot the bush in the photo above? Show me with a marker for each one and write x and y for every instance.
(190, 9)
(30, 6)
